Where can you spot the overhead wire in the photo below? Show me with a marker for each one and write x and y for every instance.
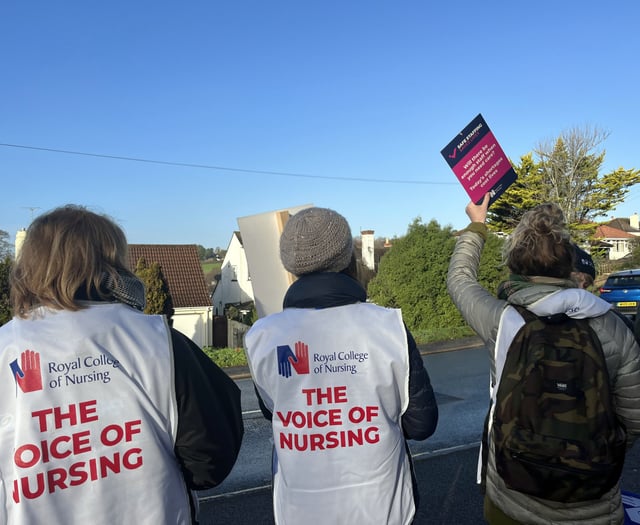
(224, 168)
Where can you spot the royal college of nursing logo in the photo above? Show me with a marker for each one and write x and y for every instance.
(287, 359)
(350, 361)
(27, 374)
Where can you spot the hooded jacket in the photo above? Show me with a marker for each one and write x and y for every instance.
(494, 321)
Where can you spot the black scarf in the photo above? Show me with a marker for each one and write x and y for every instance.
(126, 288)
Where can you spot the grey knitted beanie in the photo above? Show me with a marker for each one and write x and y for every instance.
(316, 240)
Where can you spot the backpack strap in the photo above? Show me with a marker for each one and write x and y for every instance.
(528, 315)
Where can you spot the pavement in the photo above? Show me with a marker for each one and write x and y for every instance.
(242, 372)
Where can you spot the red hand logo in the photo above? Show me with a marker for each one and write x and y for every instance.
(301, 364)
(28, 375)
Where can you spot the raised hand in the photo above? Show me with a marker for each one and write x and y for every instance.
(478, 212)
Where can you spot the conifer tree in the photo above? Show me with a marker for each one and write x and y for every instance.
(159, 300)
(412, 275)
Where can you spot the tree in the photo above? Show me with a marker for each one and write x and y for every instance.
(5, 305)
(5, 269)
(159, 300)
(505, 213)
(412, 275)
(565, 171)
(205, 254)
(5, 245)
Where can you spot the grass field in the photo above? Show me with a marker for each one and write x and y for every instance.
(210, 266)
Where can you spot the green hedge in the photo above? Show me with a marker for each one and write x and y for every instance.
(229, 357)
(226, 357)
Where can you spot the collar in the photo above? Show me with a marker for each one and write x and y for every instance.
(324, 290)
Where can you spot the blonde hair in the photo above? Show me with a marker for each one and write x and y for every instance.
(540, 244)
(66, 255)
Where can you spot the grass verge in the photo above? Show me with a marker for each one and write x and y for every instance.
(228, 357)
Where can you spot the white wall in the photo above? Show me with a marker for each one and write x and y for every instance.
(619, 248)
(196, 323)
(235, 283)
(368, 249)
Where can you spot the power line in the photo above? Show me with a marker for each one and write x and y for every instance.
(221, 168)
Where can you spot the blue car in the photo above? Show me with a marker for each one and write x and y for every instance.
(622, 290)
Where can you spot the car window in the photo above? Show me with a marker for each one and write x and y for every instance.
(624, 280)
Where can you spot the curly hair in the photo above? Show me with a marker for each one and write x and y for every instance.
(65, 256)
(540, 244)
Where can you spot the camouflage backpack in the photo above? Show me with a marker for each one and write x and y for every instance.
(555, 431)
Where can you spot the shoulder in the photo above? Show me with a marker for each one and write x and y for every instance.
(181, 342)
(190, 363)
(611, 327)
(617, 338)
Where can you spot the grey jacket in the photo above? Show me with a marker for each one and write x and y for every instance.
(483, 312)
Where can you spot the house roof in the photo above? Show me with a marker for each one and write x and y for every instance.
(604, 231)
(181, 268)
(622, 224)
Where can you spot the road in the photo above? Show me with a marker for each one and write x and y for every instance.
(445, 464)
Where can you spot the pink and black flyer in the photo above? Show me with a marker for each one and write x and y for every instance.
(479, 162)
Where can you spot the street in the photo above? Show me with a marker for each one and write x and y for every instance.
(445, 464)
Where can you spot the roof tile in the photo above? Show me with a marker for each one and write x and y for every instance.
(181, 268)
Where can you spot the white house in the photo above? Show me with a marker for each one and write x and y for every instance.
(234, 286)
(619, 236)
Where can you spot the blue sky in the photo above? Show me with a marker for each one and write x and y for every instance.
(346, 103)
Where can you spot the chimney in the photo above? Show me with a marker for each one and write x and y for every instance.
(20, 237)
(634, 221)
(368, 249)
